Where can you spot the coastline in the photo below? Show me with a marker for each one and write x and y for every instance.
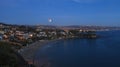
(28, 52)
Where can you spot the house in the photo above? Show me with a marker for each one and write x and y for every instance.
(19, 35)
(62, 32)
(5, 36)
(2, 32)
(28, 35)
(54, 33)
(42, 34)
(12, 37)
(1, 37)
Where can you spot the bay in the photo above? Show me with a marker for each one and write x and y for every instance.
(100, 52)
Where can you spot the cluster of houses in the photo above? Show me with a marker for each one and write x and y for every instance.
(24, 34)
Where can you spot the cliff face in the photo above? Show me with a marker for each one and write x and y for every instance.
(10, 58)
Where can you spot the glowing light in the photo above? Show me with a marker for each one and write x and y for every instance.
(49, 20)
(30, 35)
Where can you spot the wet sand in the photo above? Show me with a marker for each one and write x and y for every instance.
(28, 52)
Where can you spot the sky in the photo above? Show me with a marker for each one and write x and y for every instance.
(61, 12)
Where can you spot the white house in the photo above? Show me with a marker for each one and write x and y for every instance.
(2, 32)
(1, 37)
(42, 34)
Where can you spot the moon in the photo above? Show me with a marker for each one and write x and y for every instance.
(49, 20)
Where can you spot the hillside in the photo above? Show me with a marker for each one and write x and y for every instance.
(10, 58)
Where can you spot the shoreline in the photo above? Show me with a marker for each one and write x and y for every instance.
(28, 52)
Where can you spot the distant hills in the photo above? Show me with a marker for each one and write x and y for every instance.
(99, 28)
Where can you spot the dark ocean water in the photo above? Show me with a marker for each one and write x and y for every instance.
(101, 52)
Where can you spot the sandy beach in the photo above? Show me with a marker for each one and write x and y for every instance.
(29, 52)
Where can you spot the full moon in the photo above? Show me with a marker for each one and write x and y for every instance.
(49, 20)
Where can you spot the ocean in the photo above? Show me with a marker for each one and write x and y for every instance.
(100, 52)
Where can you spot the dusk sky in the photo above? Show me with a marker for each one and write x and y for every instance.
(62, 12)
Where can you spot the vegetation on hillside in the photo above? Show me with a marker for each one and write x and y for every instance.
(8, 57)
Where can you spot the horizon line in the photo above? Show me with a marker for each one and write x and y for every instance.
(58, 25)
